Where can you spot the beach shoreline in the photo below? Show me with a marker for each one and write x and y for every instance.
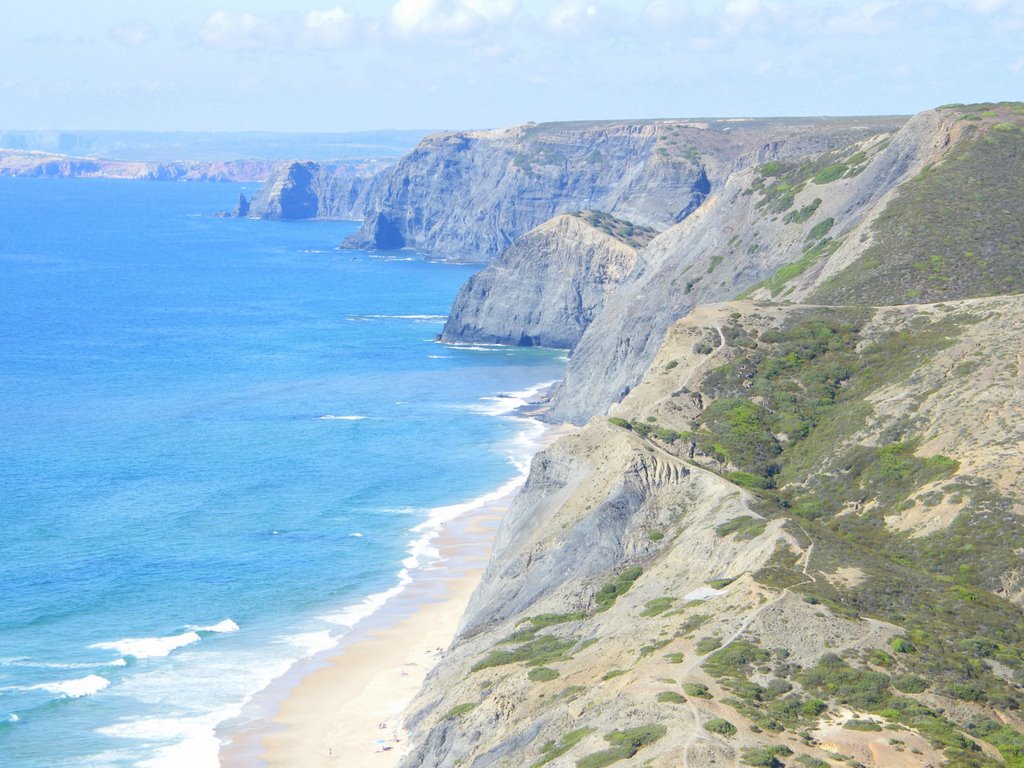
(346, 706)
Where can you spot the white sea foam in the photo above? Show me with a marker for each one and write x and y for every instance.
(331, 417)
(507, 402)
(73, 689)
(353, 614)
(13, 718)
(312, 643)
(150, 647)
(356, 534)
(193, 740)
(221, 627)
(27, 663)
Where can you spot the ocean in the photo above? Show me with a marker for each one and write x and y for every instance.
(223, 444)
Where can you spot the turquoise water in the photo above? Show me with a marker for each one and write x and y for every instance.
(217, 436)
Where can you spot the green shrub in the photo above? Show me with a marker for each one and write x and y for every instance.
(542, 674)
(671, 697)
(610, 592)
(614, 673)
(655, 535)
(736, 659)
(537, 652)
(697, 690)
(764, 757)
(720, 726)
(625, 744)
(550, 619)
(799, 217)
(617, 422)
(657, 606)
(674, 658)
(552, 750)
(707, 644)
(745, 527)
(862, 725)
(830, 173)
(902, 645)
(821, 229)
(720, 583)
(910, 684)
(460, 709)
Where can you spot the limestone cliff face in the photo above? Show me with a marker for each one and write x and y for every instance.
(796, 529)
(740, 236)
(546, 288)
(467, 196)
(308, 191)
(638, 595)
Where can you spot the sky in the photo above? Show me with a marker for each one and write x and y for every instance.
(348, 65)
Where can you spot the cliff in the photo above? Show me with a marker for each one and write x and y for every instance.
(795, 532)
(467, 196)
(760, 555)
(573, 263)
(306, 190)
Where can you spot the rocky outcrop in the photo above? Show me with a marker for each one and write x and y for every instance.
(467, 196)
(241, 208)
(547, 287)
(306, 190)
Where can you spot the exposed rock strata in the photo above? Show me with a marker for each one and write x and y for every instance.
(310, 191)
(705, 553)
(467, 196)
(546, 288)
(731, 243)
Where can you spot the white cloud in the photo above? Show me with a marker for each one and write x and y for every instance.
(493, 10)
(742, 10)
(987, 6)
(666, 12)
(237, 31)
(332, 28)
(448, 18)
(132, 35)
(866, 19)
(572, 16)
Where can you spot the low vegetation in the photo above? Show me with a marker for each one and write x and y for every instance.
(625, 744)
(633, 235)
(555, 749)
(952, 232)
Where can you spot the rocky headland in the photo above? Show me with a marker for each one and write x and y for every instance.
(41, 164)
(307, 190)
(788, 530)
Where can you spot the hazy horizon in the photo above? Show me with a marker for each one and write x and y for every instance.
(355, 65)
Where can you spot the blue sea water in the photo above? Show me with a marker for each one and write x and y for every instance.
(216, 437)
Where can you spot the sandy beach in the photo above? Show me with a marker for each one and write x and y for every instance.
(347, 707)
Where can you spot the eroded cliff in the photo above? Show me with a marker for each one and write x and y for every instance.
(547, 287)
(467, 196)
(795, 538)
(306, 190)
(760, 555)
